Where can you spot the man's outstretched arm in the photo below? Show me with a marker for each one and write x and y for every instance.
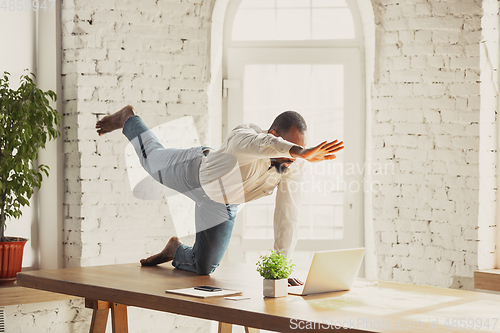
(323, 152)
(246, 141)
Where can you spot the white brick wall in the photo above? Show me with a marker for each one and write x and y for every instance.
(61, 317)
(435, 92)
(72, 316)
(153, 55)
(432, 81)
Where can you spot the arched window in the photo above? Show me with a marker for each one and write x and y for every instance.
(302, 55)
(293, 20)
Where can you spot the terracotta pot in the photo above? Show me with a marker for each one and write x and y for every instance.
(275, 288)
(11, 258)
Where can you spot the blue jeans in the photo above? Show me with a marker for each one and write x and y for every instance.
(178, 169)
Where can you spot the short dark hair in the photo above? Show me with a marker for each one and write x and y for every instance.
(288, 119)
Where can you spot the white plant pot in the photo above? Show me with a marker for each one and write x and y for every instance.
(275, 288)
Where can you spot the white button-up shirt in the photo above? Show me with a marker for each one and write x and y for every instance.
(240, 171)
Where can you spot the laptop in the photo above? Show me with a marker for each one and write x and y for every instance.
(331, 271)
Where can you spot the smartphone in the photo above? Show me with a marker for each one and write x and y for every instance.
(208, 288)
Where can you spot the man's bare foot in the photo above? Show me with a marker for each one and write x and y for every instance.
(165, 255)
(114, 121)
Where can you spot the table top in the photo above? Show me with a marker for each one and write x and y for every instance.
(387, 307)
(488, 279)
(15, 295)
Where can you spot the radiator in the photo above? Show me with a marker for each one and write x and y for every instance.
(2, 321)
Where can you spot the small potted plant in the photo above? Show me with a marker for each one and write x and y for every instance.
(27, 122)
(275, 269)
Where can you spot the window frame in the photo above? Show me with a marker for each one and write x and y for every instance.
(230, 16)
(337, 45)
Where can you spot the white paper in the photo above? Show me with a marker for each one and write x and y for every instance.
(204, 294)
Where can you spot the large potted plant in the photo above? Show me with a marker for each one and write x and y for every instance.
(275, 269)
(27, 122)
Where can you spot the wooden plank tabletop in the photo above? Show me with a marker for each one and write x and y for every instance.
(388, 307)
(15, 295)
(488, 279)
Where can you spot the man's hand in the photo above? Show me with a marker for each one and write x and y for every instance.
(322, 152)
(294, 282)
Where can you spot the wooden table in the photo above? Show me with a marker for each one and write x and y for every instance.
(488, 279)
(388, 307)
(15, 295)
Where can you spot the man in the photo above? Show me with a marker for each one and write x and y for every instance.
(249, 165)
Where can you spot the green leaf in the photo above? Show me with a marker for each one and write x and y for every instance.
(275, 266)
(27, 122)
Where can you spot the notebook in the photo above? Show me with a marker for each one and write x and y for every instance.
(203, 294)
(331, 271)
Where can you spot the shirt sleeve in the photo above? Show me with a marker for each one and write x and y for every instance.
(250, 142)
(286, 211)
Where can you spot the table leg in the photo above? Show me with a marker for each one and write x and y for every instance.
(119, 318)
(99, 321)
(225, 328)
(228, 328)
(99, 315)
(251, 330)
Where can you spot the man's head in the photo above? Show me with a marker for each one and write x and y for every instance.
(291, 126)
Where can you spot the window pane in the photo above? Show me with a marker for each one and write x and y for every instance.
(327, 84)
(301, 259)
(246, 28)
(258, 217)
(327, 101)
(257, 4)
(293, 20)
(316, 91)
(256, 94)
(293, 24)
(258, 233)
(329, 3)
(293, 3)
(332, 24)
(293, 87)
